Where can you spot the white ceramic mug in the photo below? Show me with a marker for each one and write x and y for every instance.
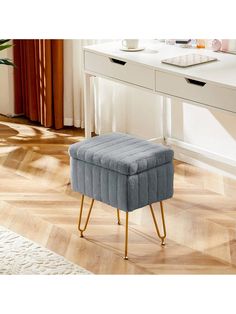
(130, 43)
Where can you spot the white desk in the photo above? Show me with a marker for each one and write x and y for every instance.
(212, 84)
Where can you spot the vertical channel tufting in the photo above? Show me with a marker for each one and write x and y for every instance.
(73, 174)
(109, 187)
(133, 191)
(92, 180)
(100, 185)
(148, 196)
(164, 191)
(161, 180)
(171, 179)
(86, 192)
(144, 188)
(128, 196)
(80, 178)
(104, 185)
(138, 186)
(166, 180)
(117, 188)
(158, 185)
(112, 187)
(88, 179)
(120, 191)
(96, 182)
(152, 181)
(122, 171)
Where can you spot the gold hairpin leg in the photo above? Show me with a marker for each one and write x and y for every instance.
(118, 216)
(163, 223)
(126, 235)
(80, 216)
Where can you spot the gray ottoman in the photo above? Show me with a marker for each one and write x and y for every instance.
(122, 171)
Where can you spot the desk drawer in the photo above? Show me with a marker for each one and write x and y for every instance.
(121, 70)
(198, 91)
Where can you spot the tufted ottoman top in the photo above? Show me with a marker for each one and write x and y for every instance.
(122, 153)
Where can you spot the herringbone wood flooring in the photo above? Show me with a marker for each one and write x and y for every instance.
(36, 201)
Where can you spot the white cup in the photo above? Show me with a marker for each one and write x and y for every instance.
(130, 43)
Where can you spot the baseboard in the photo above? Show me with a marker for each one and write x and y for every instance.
(72, 122)
(202, 158)
(159, 140)
(14, 115)
(68, 121)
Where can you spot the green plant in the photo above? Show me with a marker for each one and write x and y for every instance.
(4, 45)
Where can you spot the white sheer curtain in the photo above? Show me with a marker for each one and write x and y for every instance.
(73, 82)
(117, 107)
(110, 106)
(109, 100)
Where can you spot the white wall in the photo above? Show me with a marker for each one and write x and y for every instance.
(6, 85)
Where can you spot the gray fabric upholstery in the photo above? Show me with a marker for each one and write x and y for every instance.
(138, 179)
(119, 190)
(120, 152)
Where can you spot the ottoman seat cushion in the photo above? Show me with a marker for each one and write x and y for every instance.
(121, 170)
(121, 153)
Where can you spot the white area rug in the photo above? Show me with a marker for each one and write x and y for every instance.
(20, 256)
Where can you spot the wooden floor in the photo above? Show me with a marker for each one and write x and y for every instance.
(36, 201)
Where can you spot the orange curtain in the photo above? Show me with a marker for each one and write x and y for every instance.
(38, 80)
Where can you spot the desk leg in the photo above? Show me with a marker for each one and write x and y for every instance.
(164, 119)
(87, 105)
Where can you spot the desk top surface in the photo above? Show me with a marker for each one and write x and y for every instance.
(222, 71)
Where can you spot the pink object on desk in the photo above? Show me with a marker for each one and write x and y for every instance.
(216, 45)
(229, 45)
(225, 45)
